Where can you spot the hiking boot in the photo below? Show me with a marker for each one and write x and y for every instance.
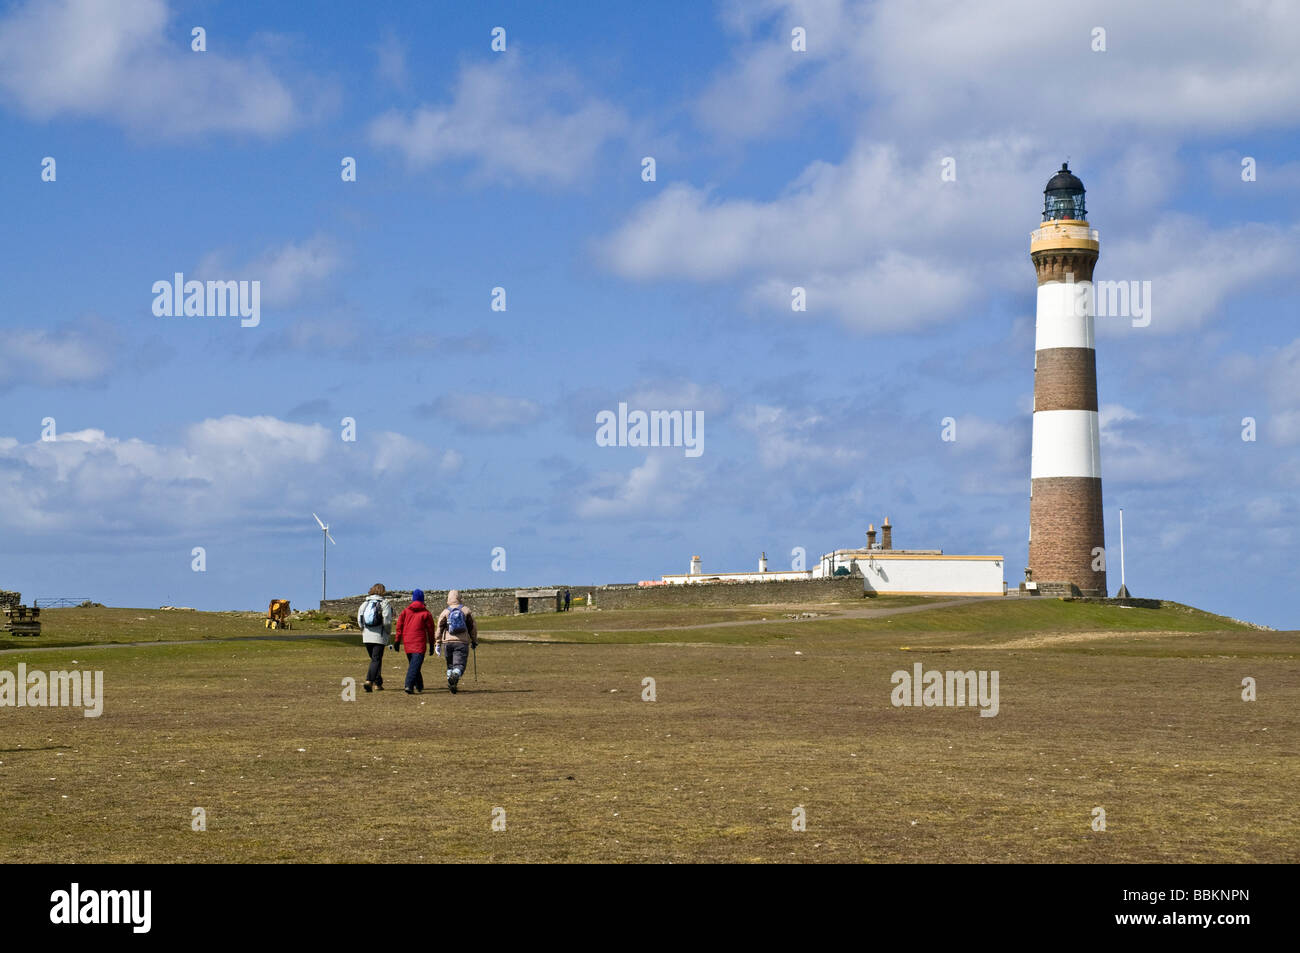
(368, 686)
(409, 691)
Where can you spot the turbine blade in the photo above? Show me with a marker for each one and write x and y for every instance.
(319, 523)
(329, 537)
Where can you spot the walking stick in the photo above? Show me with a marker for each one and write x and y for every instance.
(474, 650)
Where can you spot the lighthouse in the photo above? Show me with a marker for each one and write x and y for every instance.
(1067, 537)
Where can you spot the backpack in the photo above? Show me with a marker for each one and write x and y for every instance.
(372, 616)
(456, 621)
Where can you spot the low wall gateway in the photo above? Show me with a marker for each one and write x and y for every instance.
(482, 601)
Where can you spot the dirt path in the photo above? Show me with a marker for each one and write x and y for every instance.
(529, 635)
(1065, 638)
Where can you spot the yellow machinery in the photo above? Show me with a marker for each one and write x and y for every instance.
(277, 616)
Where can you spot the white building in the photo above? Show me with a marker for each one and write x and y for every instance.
(884, 570)
(921, 572)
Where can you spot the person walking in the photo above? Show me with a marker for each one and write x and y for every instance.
(566, 600)
(416, 630)
(375, 617)
(457, 634)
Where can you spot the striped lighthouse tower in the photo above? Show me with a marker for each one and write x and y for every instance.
(1067, 537)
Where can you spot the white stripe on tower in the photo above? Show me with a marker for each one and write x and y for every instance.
(1065, 315)
(1067, 443)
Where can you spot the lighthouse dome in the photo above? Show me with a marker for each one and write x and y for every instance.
(1063, 197)
(1065, 180)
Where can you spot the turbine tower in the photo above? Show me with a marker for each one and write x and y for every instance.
(1067, 536)
(326, 530)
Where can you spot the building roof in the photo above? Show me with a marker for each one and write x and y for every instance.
(901, 554)
(540, 593)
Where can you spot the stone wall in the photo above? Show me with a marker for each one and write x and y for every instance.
(482, 601)
(487, 602)
(833, 589)
(10, 598)
(1129, 603)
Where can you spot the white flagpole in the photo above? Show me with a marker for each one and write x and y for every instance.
(1121, 547)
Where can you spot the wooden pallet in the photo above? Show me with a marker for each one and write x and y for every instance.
(20, 620)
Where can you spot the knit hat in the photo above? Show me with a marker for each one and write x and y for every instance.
(417, 596)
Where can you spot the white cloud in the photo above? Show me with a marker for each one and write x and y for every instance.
(1283, 428)
(396, 453)
(1194, 268)
(1275, 369)
(883, 245)
(951, 68)
(451, 461)
(676, 394)
(130, 62)
(490, 413)
(879, 240)
(895, 293)
(1138, 451)
(661, 484)
(1109, 417)
(81, 352)
(511, 124)
(390, 65)
(230, 470)
(1006, 442)
(289, 273)
(1264, 510)
(786, 437)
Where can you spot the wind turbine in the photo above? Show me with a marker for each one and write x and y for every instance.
(324, 527)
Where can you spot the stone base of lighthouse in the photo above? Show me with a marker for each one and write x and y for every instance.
(1067, 521)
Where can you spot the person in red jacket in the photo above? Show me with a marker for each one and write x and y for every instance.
(415, 631)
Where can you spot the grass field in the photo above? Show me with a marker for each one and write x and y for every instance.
(1132, 710)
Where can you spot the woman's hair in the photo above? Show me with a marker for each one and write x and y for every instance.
(377, 589)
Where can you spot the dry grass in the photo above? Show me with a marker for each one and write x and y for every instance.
(72, 627)
(1152, 728)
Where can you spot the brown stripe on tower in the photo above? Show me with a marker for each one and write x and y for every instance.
(1065, 378)
(1066, 515)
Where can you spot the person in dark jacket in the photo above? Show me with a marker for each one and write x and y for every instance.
(415, 631)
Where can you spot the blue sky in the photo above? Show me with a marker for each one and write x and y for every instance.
(521, 169)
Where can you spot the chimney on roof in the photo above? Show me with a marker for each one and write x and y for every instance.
(871, 536)
(886, 535)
